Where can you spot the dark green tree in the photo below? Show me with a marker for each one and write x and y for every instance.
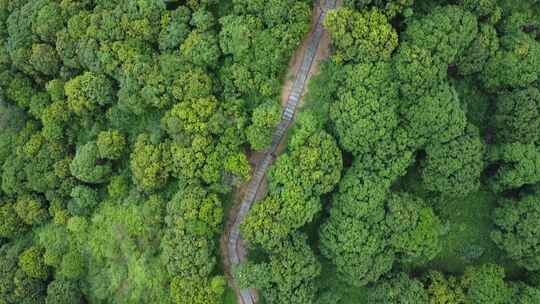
(517, 230)
(485, 284)
(399, 289)
(524, 294)
(84, 199)
(63, 292)
(436, 116)
(445, 33)
(354, 237)
(517, 116)
(290, 274)
(515, 65)
(414, 228)
(483, 47)
(518, 165)
(31, 209)
(454, 168)
(364, 114)
(11, 225)
(15, 285)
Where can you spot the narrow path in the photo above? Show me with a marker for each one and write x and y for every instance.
(235, 251)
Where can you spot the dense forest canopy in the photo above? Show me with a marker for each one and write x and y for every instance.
(410, 175)
(123, 125)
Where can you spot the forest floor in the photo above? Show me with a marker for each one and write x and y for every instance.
(255, 158)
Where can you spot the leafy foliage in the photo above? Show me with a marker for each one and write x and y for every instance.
(361, 36)
(519, 165)
(369, 228)
(288, 276)
(85, 165)
(400, 289)
(517, 116)
(63, 292)
(308, 170)
(265, 118)
(125, 126)
(485, 284)
(516, 230)
(454, 168)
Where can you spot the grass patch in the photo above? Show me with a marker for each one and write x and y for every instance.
(467, 240)
(230, 297)
(467, 227)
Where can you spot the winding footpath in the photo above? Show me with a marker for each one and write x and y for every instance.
(236, 252)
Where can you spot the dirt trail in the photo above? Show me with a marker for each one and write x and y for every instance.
(303, 65)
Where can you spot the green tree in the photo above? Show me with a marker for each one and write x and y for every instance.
(31, 262)
(10, 224)
(436, 116)
(485, 284)
(174, 28)
(194, 217)
(354, 237)
(63, 292)
(48, 21)
(148, 164)
(443, 290)
(87, 92)
(399, 289)
(111, 144)
(415, 229)
(192, 84)
(365, 36)
(290, 274)
(19, 90)
(517, 116)
(484, 9)
(121, 261)
(238, 165)
(417, 70)
(205, 133)
(197, 290)
(364, 115)
(313, 160)
(309, 169)
(44, 59)
(389, 7)
(31, 210)
(260, 37)
(201, 48)
(519, 165)
(87, 167)
(454, 168)
(516, 64)
(483, 47)
(517, 230)
(264, 120)
(445, 32)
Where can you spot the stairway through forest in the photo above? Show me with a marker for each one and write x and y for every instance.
(313, 44)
